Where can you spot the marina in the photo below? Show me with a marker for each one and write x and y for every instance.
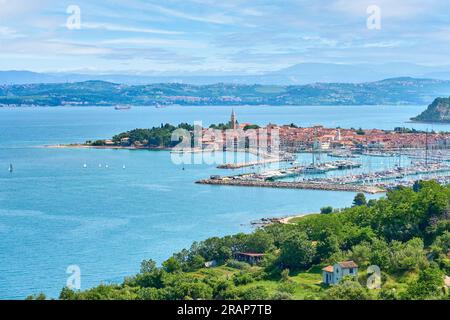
(419, 165)
(375, 182)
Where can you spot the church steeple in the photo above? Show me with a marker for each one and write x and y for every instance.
(233, 121)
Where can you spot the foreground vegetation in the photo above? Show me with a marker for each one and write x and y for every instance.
(406, 234)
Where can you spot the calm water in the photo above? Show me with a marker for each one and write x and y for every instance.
(54, 213)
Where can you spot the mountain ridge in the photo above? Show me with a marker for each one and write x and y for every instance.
(395, 91)
(297, 74)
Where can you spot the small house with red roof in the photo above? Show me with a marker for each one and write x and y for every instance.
(334, 274)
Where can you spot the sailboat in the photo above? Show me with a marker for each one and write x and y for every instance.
(122, 107)
(314, 167)
(10, 167)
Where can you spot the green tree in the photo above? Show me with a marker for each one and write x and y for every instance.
(327, 245)
(297, 252)
(148, 266)
(428, 286)
(254, 293)
(259, 242)
(171, 265)
(360, 200)
(407, 256)
(40, 296)
(149, 294)
(326, 210)
(347, 289)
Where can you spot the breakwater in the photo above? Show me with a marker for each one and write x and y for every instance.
(249, 164)
(293, 185)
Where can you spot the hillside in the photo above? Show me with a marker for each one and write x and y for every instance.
(406, 235)
(438, 111)
(397, 91)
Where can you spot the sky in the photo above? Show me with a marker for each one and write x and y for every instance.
(218, 37)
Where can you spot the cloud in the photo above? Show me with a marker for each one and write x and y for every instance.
(10, 10)
(215, 18)
(389, 8)
(9, 33)
(120, 28)
(50, 47)
(180, 43)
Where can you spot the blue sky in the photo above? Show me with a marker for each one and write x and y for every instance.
(208, 36)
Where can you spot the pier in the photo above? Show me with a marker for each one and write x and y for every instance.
(293, 185)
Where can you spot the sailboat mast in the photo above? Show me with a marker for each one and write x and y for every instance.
(426, 149)
(314, 147)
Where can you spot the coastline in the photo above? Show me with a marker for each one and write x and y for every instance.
(428, 122)
(84, 146)
(281, 220)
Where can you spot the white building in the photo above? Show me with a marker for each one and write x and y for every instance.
(334, 274)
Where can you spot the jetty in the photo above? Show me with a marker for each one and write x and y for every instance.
(309, 185)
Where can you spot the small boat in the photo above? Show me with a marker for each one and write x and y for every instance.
(160, 106)
(10, 168)
(312, 169)
(122, 107)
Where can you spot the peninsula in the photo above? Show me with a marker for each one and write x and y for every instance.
(438, 111)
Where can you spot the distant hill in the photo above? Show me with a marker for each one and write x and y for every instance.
(438, 111)
(398, 91)
(298, 74)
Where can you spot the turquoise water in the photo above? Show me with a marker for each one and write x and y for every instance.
(55, 213)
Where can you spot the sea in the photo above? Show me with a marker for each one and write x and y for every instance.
(104, 211)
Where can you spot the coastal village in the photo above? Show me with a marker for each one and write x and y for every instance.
(418, 155)
(428, 153)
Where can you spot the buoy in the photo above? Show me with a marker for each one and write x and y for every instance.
(85, 165)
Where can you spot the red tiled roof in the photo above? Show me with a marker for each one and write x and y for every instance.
(250, 254)
(328, 269)
(348, 264)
